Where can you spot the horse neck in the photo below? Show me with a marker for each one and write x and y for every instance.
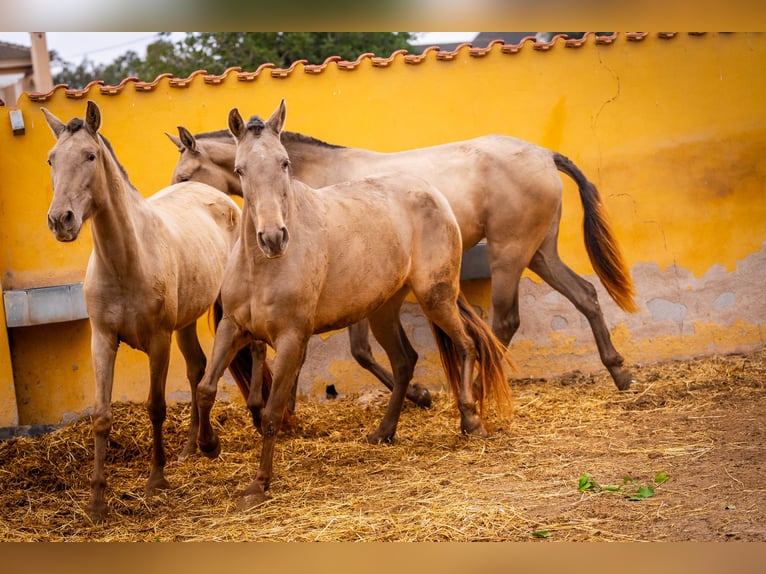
(310, 160)
(221, 152)
(115, 222)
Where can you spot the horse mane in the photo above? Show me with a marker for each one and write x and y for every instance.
(295, 137)
(287, 137)
(76, 124)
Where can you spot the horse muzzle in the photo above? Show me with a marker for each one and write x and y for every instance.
(65, 225)
(273, 242)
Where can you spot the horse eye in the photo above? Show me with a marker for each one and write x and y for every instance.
(183, 179)
(285, 164)
(50, 163)
(91, 156)
(238, 171)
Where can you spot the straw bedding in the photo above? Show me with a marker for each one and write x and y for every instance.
(698, 422)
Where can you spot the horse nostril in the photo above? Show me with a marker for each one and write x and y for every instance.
(67, 218)
(285, 236)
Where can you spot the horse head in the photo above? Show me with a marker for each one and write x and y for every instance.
(263, 168)
(73, 169)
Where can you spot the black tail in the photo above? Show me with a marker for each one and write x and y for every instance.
(602, 248)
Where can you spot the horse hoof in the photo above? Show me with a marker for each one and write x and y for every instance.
(211, 450)
(420, 396)
(475, 428)
(378, 438)
(155, 486)
(97, 512)
(189, 449)
(622, 378)
(249, 501)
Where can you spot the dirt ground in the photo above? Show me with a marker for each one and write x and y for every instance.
(680, 457)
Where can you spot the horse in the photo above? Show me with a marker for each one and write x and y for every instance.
(312, 260)
(502, 189)
(155, 268)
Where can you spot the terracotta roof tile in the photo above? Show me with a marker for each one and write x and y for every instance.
(380, 62)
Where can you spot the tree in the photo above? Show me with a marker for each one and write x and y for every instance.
(217, 51)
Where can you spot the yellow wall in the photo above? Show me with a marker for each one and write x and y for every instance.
(671, 130)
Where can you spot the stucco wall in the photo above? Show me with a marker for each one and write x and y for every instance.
(670, 129)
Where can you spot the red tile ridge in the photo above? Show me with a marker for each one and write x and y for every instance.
(43, 96)
(420, 58)
(284, 72)
(217, 79)
(185, 82)
(250, 76)
(380, 62)
(514, 48)
(149, 86)
(480, 52)
(77, 94)
(317, 68)
(348, 65)
(108, 90)
(447, 55)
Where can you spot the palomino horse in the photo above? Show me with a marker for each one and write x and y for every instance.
(155, 268)
(308, 261)
(500, 188)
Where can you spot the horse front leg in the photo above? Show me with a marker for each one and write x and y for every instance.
(159, 359)
(188, 343)
(259, 387)
(290, 354)
(104, 351)
(228, 341)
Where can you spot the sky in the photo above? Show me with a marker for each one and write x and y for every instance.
(105, 47)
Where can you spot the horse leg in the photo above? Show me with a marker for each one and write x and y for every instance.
(188, 343)
(104, 351)
(506, 267)
(159, 360)
(228, 341)
(387, 328)
(440, 306)
(548, 265)
(255, 398)
(360, 349)
(290, 353)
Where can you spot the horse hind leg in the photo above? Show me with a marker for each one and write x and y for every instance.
(188, 343)
(361, 351)
(386, 325)
(548, 265)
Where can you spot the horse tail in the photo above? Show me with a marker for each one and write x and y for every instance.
(241, 366)
(600, 243)
(491, 382)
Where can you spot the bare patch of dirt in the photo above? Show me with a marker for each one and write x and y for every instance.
(700, 423)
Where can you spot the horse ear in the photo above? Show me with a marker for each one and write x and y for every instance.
(176, 141)
(93, 117)
(187, 139)
(277, 120)
(236, 124)
(56, 125)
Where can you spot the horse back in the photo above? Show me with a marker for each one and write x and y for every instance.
(384, 232)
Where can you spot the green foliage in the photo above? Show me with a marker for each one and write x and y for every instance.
(628, 488)
(541, 533)
(214, 52)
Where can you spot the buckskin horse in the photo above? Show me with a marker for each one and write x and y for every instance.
(500, 188)
(308, 261)
(156, 267)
